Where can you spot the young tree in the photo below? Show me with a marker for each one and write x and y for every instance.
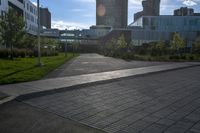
(12, 28)
(177, 42)
(121, 42)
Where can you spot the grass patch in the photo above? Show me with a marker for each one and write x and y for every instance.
(166, 58)
(24, 69)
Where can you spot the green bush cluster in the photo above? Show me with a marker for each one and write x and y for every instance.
(174, 50)
(22, 53)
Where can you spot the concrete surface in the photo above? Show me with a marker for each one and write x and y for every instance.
(95, 63)
(55, 84)
(166, 102)
(16, 117)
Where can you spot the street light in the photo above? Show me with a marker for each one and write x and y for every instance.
(39, 64)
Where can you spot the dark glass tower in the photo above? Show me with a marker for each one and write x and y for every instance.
(112, 13)
(151, 7)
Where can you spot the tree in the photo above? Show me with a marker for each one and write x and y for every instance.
(177, 42)
(121, 42)
(111, 48)
(12, 28)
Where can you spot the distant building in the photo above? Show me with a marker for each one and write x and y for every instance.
(150, 8)
(45, 18)
(184, 11)
(95, 32)
(155, 28)
(112, 13)
(51, 33)
(24, 8)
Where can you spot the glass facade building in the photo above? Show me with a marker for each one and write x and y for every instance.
(155, 28)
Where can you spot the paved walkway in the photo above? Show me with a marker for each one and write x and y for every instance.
(95, 63)
(56, 84)
(167, 102)
(17, 117)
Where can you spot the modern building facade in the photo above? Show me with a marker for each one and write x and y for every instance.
(24, 8)
(30, 17)
(155, 28)
(150, 8)
(112, 13)
(45, 18)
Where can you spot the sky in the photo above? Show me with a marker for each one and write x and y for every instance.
(79, 14)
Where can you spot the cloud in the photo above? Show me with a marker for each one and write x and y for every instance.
(59, 24)
(77, 10)
(190, 2)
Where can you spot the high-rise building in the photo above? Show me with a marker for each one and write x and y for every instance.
(112, 13)
(150, 8)
(45, 18)
(184, 11)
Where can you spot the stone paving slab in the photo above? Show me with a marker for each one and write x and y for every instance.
(17, 117)
(167, 102)
(64, 82)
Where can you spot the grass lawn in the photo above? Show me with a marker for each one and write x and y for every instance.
(24, 69)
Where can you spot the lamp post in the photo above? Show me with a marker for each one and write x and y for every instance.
(39, 64)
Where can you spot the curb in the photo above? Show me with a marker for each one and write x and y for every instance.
(24, 97)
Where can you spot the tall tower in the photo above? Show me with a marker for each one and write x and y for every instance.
(151, 7)
(112, 13)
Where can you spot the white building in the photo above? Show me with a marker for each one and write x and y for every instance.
(26, 9)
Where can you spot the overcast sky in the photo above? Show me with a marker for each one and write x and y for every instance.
(81, 13)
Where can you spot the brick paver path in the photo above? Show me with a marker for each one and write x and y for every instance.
(163, 102)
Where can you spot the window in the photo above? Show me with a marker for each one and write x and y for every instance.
(0, 2)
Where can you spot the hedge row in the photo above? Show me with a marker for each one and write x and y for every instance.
(6, 53)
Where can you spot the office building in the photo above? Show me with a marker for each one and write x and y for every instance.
(112, 13)
(30, 15)
(155, 28)
(24, 8)
(150, 8)
(45, 18)
(184, 11)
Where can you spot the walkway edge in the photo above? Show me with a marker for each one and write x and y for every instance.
(78, 86)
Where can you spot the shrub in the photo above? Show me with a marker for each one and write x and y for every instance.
(4, 53)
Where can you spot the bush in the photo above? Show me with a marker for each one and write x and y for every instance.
(5, 53)
(191, 57)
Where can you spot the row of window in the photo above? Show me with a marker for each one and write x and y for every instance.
(30, 17)
(31, 9)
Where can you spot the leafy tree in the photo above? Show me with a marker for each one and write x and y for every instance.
(111, 48)
(49, 42)
(12, 28)
(121, 42)
(177, 42)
